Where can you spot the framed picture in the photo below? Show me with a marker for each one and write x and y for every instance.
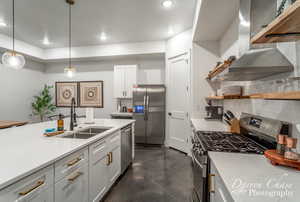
(91, 94)
(64, 92)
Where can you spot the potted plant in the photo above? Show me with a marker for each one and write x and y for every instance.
(42, 104)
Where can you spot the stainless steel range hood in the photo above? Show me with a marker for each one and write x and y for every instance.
(256, 61)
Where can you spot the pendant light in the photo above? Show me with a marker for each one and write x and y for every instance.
(11, 58)
(70, 71)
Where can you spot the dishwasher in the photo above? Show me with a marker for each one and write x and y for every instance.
(126, 147)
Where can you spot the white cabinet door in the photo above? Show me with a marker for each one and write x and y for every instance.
(217, 189)
(99, 160)
(74, 187)
(37, 187)
(130, 80)
(125, 77)
(119, 82)
(114, 168)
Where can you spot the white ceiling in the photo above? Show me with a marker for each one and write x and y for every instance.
(215, 16)
(122, 20)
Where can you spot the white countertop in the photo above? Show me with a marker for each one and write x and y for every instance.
(250, 177)
(122, 114)
(25, 150)
(208, 125)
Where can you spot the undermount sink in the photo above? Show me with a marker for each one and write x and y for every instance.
(85, 133)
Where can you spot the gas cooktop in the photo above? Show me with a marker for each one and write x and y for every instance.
(229, 142)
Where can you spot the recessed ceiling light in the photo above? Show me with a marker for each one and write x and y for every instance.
(3, 24)
(103, 37)
(167, 3)
(171, 31)
(46, 41)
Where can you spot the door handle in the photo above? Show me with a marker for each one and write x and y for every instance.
(170, 114)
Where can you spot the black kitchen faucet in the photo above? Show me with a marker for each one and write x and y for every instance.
(73, 121)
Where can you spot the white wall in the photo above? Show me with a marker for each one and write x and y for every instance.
(18, 88)
(151, 71)
(202, 61)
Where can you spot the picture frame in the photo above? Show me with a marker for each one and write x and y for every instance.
(64, 92)
(91, 94)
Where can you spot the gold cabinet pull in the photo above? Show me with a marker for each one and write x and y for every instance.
(107, 159)
(73, 162)
(73, 178)
(111, 157)
(37, 185)
(211, 184)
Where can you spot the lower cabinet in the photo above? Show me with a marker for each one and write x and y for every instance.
(73, 187)
(85, 175)
(105, 165)
(99, 160)
(37, 187)
(217, 189)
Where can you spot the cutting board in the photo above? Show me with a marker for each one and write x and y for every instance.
(8, 124)
(277, 159)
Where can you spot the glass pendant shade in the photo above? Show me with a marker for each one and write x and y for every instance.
(70, 72)
(13, 60)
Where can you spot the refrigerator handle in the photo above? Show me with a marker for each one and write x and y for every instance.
(145, 108)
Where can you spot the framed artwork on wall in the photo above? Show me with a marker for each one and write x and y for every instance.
(91, 94)
(64, 92)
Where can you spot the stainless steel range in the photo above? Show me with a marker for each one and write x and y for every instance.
(257, 135)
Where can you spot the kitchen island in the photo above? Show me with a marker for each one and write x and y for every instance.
(25, 151)
(250, 177)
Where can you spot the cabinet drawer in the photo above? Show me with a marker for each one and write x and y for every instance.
(114, 140)
(73, 187)
(37, 185)
(97, 151)
(68, 164)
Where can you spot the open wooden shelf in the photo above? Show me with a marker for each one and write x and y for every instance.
(219, 69)
(294, 95)
(284, 28)
(228, 97)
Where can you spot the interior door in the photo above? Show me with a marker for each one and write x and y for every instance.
(178, 103)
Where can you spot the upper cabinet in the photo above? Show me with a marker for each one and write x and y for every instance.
(286, 27)
(125, 78)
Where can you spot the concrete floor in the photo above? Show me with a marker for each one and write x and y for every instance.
(157, 175)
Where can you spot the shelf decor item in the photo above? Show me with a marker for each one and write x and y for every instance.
(64, 92)
(283, 5)
(91, 94)
(11, 58)
(43, 103)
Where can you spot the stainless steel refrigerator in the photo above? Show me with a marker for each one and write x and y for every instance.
(149, 113)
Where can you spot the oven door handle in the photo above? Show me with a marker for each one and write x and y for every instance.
(203, 167)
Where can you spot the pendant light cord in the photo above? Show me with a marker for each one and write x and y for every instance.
(70, 35)
(13, 12)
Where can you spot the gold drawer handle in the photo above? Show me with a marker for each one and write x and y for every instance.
(37, 185)
(211, 184)
(111, 157)
(73, 162)
(72, 179)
